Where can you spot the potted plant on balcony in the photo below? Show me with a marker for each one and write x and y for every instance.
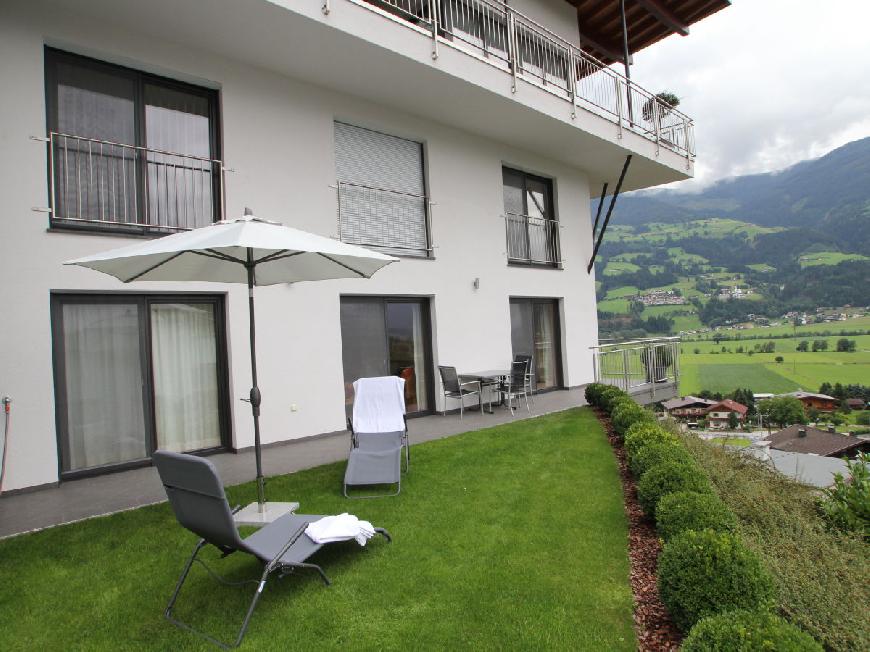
(656, 361)
(667, 102)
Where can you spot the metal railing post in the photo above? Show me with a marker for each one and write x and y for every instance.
(572, 81)
(52, 202)
(686, 138)
(513, 49)
(617, 85)
(625, 376)
(657, 125)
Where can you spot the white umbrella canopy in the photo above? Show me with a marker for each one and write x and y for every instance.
(220, 253)
(246, 250)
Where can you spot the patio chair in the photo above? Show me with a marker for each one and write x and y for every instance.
(516, 385)
(200, 505)
(379, 434)
(453, 388)
(530, 373)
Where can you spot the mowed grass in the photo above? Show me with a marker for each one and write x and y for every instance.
(508, 538)
(828, 258)
(724, 372)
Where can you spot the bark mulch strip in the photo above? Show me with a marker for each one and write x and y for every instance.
(653, 626)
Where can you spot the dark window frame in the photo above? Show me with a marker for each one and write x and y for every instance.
(428, 358)
(143, 301)
(53, 56)
(550, 213)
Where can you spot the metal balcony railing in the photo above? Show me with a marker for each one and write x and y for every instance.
(532, 240)
(390, 220)
(103, 184)
(507, 39)
(639, 365)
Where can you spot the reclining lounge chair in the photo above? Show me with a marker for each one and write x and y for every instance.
(197, 498)
(379, 434)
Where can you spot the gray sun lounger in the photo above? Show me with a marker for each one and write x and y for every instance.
(375, 456)
(200, 505)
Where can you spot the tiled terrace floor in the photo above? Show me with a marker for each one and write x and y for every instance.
(78, 499)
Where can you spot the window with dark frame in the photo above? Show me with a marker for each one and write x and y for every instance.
(134, 373)
(129, 151)
(531, 228)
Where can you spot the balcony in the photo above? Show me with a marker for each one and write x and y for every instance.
(108, 186)
(532, 240)
(648, 369)
(525, 50)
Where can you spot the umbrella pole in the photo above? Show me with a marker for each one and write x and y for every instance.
(255, 396)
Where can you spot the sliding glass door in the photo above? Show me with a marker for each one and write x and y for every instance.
(135, 373)
(387, 336)
(535, 332)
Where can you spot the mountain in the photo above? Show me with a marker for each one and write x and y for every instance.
(830, 194)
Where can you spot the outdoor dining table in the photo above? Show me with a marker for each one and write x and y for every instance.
(486, 378)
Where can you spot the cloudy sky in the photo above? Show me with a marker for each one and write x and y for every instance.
(768, 82)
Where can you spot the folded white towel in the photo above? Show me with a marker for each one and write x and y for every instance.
(342, 527)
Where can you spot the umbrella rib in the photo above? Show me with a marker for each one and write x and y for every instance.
(283, 253)
(337, 262)
(219, 255)
(153, 267)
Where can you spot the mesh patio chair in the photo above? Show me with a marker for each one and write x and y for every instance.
(379, 434)
(453, 388)
(530, 373)
(516, 385)
(200, 505)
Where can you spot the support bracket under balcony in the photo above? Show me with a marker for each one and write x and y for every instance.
(609, 212)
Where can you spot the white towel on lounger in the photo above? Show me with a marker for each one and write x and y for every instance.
(342, 527)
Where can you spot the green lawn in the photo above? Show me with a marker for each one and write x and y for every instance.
(615, 267)
(511, 537)
(724, 372)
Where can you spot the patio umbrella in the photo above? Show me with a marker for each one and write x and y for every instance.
(244, 250)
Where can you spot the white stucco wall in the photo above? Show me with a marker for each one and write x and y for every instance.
(558, 16)
(278, 136)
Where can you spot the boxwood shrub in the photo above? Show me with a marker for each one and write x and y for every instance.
(625, 415)
(655, 452)
(593, 392)
(748, 631)
(690, 510)
(666, 478)
(641, 434)
(705, 573)
(609, 395)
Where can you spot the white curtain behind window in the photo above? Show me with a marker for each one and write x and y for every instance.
(184, 357)
(419, 359)
(103, 374)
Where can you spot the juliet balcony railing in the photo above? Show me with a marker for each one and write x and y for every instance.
(102, 184)
(532, 240)
(496, 33)
(647, 368)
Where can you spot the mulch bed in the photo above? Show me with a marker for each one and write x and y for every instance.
(652, 624)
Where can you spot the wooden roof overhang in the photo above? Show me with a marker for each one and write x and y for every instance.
(648, 21)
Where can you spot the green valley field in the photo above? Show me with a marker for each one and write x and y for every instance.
(724, 372)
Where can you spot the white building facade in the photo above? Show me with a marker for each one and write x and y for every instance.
(340, 118)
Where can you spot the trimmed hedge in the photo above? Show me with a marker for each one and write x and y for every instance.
(642, 434)
(667, 478)
(608, 396)
(625, 415)
(656, 452)
(748, 631)
(593, 393)
(705, 573)
(690, 510)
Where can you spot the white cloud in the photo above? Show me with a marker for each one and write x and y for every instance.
(768, 83)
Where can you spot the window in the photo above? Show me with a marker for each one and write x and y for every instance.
(535, 332)
(531, 229)
(388, 337)
(382, 199)
(136, 373)
(129, 151)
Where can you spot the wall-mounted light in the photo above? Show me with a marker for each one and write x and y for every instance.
(476, 283)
